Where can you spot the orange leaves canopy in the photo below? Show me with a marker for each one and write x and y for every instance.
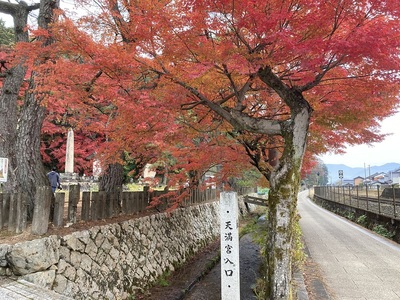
(155, 58)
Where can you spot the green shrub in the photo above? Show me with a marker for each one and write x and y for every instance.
(362, 220)
(163, 279)
(382, 230)
(349, 215)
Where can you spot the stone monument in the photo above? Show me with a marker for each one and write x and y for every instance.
(69, 157)
(69, 154)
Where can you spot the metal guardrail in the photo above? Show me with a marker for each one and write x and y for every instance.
(255, 200)
(381, 200)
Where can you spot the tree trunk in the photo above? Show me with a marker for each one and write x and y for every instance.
(9, 121)
(20, 126)
(30, 169)
(282, 203)
(14, 78)
(111, 182)
(281, 216)
(112, 179)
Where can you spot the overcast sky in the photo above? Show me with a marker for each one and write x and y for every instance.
(378, 154)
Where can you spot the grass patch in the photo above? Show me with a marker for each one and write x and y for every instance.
(163, 279)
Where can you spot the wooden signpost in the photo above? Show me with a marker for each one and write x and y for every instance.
(230, 272)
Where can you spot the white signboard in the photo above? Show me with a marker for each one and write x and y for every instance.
(230, 272)
(3, 169)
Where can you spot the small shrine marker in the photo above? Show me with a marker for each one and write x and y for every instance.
(69, 154)
(230, 271)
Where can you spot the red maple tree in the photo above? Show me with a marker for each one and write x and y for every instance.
(266, 76)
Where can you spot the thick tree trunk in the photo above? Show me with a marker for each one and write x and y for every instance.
(113, 179)
(14, 78)
(30, 169)
(9, 122)
(20, 126)
(281, 216)
(282, 203)
(111, 182)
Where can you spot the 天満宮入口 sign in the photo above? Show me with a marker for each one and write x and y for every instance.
(230, 273)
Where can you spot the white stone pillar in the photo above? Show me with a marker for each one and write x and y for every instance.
(230, 272)
(69, 154)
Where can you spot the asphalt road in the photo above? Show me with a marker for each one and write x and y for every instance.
(355, 263)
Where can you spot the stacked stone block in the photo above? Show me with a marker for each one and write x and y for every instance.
(115, 260)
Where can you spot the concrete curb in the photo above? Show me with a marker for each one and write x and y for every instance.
(317, 286)
(301, 291)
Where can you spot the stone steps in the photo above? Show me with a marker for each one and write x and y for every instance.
(22, 290)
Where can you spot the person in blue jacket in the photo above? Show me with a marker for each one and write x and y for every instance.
(54, 179)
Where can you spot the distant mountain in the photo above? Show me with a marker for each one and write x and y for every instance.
(351, 173)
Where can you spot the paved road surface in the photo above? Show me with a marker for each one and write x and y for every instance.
(356, 264)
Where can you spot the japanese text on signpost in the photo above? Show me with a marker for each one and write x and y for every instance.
(230, 273)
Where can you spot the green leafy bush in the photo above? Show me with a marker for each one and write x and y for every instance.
(382, 230)
(362, 220)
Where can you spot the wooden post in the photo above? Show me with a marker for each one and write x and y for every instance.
(334, 194)
(93, 206)
(379, 201)
(146, 199)
(12, 216)
(109, 203)
(230, 272)
(132, 202)
(117, 202)
(136, 199)
(22, 212)
(358, 204)
(125, 199)
(350, 195)
(58, 216)
(6, 207)
(394, 201)
(139, 201)
(129, 202)
(146, 194)
(101, 205)
(1, 211)
(73, 199)
(343, 195)
(85, 214)
(41, 210)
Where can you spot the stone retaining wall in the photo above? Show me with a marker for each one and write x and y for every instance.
(115, 260)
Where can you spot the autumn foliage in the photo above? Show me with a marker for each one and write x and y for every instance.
(124, 81)
(131, 73)
(198, 84)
